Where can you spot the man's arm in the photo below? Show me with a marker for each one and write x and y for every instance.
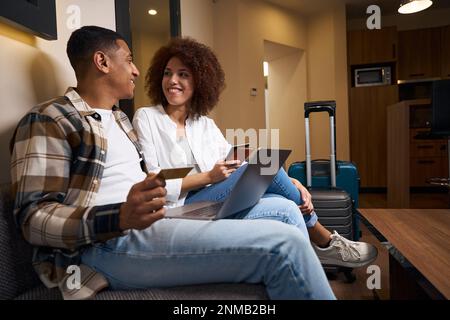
(52, 195)
(47, 195)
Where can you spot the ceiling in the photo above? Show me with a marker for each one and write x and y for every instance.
(160, 23)
(142, 21)
(355, 8)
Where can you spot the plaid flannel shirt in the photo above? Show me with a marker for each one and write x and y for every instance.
(58, 156)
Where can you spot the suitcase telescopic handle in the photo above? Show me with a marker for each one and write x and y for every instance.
(321, 106)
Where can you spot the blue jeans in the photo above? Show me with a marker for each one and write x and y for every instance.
(176, 252)
(281, 185)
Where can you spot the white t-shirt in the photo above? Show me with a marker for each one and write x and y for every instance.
(184, 144)
(157, 135)
(122, 165)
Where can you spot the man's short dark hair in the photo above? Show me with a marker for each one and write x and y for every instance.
(84, 42)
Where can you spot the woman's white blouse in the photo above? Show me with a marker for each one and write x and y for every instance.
(157, 135)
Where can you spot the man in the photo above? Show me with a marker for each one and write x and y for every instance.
(83, 198)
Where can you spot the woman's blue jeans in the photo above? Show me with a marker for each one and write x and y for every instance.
(281, 186)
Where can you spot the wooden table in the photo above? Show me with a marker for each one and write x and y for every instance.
(422, 236)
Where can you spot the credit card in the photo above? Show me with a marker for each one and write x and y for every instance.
(174, 173)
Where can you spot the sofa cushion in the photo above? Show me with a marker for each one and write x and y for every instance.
(19, 281)
(199, 292)
(17, 274)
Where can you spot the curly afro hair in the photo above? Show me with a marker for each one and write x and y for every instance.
(209, 78)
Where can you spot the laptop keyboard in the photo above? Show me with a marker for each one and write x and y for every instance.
(205, 211)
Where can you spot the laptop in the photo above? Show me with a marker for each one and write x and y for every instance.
(262, 167)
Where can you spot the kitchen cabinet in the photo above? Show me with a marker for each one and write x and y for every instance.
(412, 159)
(428, 158)
(419, 54)
(372, 46)
(425, 168)
(368, 119)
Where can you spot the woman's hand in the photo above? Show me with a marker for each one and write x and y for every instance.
(307, 206)
(222, 170)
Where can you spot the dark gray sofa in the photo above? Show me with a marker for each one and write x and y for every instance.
(19, 281)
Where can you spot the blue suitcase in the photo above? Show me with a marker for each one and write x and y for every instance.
(347, 178)
(345, 173)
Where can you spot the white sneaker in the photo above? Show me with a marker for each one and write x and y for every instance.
(346, 253)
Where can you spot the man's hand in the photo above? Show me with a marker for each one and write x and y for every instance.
(222, 170)
(307, 206)
(144, 204)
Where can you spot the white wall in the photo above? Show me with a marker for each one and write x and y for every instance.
(145, 45)
(35, 70)
(149, 33)
(287, 93)
(202, 28)
(327, 79)
(240, 29)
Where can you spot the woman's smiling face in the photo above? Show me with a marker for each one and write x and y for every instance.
(177, 83)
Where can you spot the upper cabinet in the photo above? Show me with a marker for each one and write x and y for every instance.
(372, 46)
(445, 43)
(419, 54)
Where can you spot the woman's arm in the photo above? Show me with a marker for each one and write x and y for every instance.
(219, 172)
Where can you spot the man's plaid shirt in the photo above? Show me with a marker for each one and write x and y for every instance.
(58, 157)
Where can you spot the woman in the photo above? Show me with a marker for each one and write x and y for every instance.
(184, 82)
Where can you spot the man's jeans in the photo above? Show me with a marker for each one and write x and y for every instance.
(281, 185)
(175, 252)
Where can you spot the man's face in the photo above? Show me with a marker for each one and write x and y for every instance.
(123, 72)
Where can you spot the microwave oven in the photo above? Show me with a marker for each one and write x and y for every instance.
(374, 76)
